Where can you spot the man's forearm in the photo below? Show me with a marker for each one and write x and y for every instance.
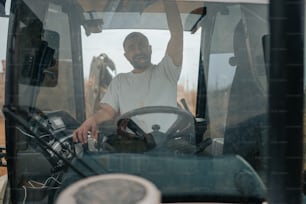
(105, 113)
(175, 45)
(173, 17)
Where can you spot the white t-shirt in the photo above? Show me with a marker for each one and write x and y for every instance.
(156, 86)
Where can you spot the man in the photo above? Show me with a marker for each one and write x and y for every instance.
(146, 84)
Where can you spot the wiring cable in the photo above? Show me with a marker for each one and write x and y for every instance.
(12, 113)
(29, 135)
(38, 185)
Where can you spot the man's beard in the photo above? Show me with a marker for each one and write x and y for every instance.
(141, 61)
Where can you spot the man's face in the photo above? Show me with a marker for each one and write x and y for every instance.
(138, 52)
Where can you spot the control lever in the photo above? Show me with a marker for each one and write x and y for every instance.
(203, 145)
(85, 147)
(99, 141)
(183, 101)
(200, 125)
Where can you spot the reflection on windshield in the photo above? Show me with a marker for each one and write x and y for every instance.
(208, 141)
(110, 42)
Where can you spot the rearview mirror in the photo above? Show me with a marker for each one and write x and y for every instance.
(195, 18)
(40, 66)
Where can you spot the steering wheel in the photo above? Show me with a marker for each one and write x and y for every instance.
(183, 121)
(129, 131)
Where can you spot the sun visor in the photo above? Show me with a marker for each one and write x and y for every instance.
(37, 7)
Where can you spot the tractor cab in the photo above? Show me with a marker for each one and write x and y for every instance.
(210, 144)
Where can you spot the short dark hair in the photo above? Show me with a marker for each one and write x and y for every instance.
(134, 35)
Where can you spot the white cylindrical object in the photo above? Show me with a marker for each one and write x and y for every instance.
(111, 188)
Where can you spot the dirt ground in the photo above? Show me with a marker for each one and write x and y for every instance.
(2, 143)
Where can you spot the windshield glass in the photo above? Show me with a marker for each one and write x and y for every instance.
(109, 44)
(174, 92)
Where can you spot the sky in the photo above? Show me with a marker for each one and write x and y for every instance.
(3, 33)
(110, 43)
(3, 39)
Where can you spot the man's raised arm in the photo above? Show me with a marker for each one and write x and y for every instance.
(175, 44)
